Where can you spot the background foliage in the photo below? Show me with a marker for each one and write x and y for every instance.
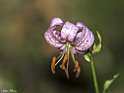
(25, 56)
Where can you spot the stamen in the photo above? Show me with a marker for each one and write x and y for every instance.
(66, 72)
(77, 69)
(78, 72)
(76, 66)
(53, 65)
(61, 56)
(64, 61)
(73, 58)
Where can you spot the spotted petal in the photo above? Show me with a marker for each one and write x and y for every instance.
(56, 22)
(69, 31)
(53, 36)
(84, 40)
(75, 51)
(52, 40)
(80, 25)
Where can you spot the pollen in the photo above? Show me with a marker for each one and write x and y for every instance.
(77, 69)
(53, 65)
(64, 61)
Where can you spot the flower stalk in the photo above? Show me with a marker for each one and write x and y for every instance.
(94, 75)
(89, 58)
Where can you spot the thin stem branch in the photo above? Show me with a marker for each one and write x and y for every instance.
(94, 75)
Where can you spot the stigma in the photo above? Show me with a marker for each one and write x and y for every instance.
(64, 58)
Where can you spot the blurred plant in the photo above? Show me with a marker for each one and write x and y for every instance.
(74, 39)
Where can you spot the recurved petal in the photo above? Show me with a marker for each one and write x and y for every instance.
(52, 40)
(84, 40)
(80, 25)
(75, 51)
(69, 31)
(62, 48)
(56, 22)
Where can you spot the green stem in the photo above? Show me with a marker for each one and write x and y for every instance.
(94, 75)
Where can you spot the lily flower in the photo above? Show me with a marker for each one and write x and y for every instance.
(72, 39)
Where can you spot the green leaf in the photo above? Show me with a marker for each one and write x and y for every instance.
(97, 48)
(87, 57)
(109, 82)
(99, 37)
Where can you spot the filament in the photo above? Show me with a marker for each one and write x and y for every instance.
(61, 56)
(73, 58)
(68, 51)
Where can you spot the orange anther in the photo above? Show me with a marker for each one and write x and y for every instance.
(67, 74)
(78, 72)
(76, 66)
(77, 69)
(64, 61)
(53, 65)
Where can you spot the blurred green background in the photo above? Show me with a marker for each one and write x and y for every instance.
(25, 56)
